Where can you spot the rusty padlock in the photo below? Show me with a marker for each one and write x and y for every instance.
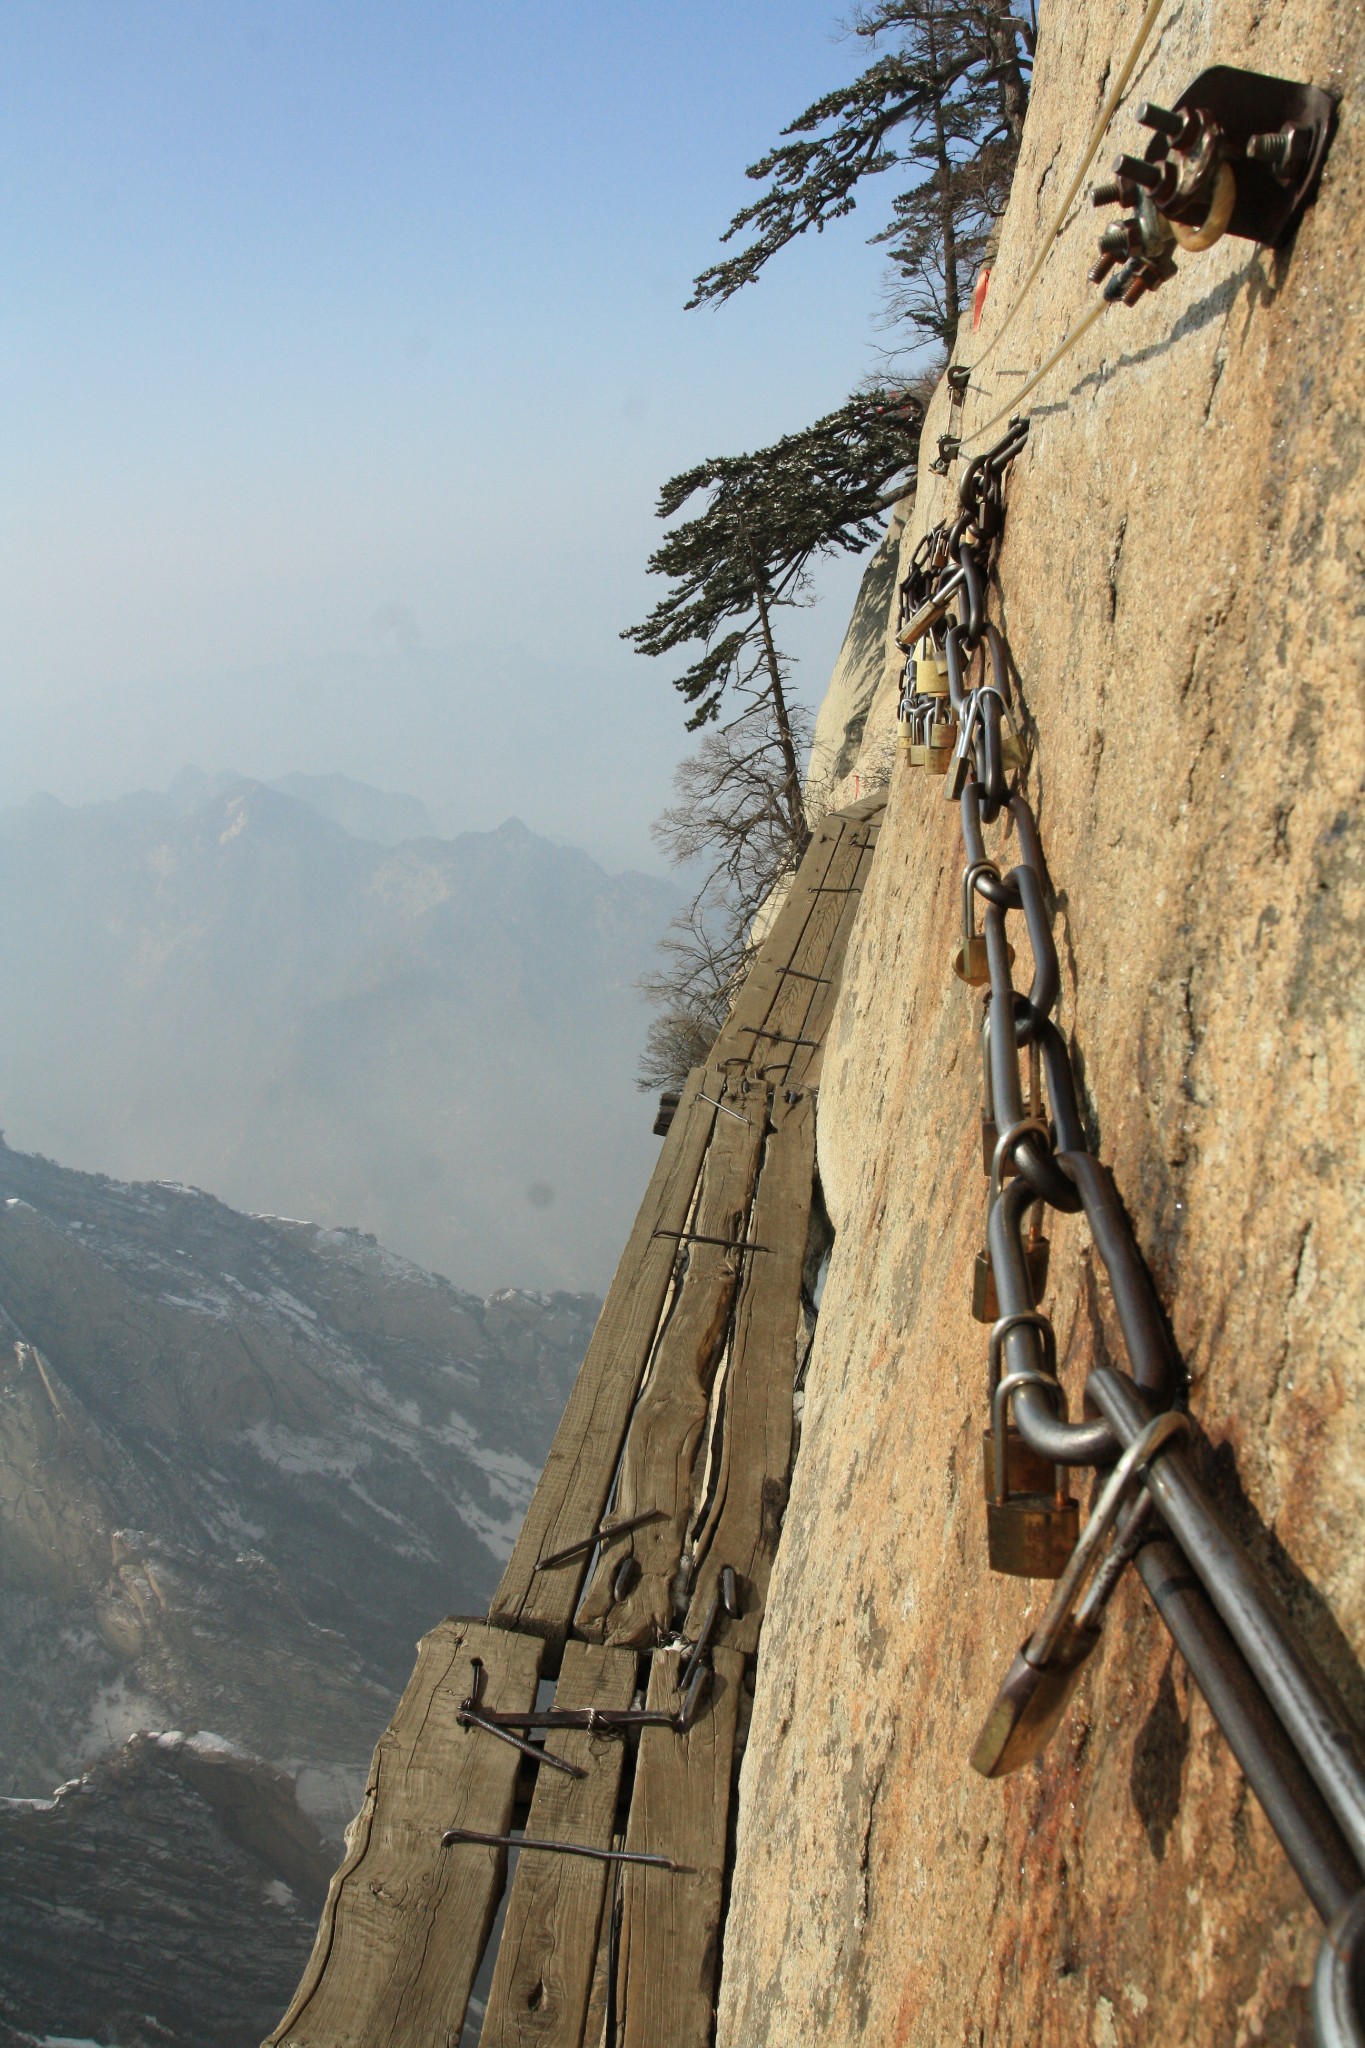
(1043, 1676)
(1028, 1535)
(1029, 1472)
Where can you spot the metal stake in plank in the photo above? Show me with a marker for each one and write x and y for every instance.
(733, 1244)
(603, 1534)
(723, 1107)
(453, 1835)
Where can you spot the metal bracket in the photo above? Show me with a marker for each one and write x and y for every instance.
(1248, 105)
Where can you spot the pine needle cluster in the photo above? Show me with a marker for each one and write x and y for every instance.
(944, 105)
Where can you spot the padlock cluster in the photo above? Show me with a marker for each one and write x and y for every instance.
(947, 725)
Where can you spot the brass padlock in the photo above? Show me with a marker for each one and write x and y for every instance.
(939, 734)
(1013, 749)
(1028, 1535)
(1037, 1253)
(931, 669)
(969, 962)
(1043, 1676)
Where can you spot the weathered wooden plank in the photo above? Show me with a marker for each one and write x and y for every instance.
(544, 1972)
(867, 806)
(406, 1920)
(745, 1518)
(671, 1920)
(780, 1043)
(595, 2026)
(804, 1071)
(763, 982)
(572, 1492)
(660, 1454)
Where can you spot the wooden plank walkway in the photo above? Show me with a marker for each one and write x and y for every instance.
(671, 1919)
(661, 1448)
(750, 1488)
(544, 1972)
(683, 1408)
(568, 1501)
(405, 1922)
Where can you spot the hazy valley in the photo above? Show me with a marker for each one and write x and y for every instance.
(432, 1039)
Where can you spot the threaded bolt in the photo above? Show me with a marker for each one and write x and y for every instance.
(1110, 194)
(1103, 267)
(1150, 115)
(1139, 171)
(1281, 152)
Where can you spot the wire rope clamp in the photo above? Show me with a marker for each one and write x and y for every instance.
(1238, 154)
(1042, 1678)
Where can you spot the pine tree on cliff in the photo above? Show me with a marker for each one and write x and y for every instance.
(945, 103)
(736, 564)
(746, 554)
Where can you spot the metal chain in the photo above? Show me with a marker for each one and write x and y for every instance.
(1289, 1732)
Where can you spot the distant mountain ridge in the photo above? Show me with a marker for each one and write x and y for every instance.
(383, 815)
(434, 1040)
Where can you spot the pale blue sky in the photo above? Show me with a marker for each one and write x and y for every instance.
(343, 353)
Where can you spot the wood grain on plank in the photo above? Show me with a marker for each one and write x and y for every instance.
(804, 1071)
(659, 1460)
(671, 1920)
(745, 1518)
(544, 1972)
(406, 1920)
(801, 996)
(572, 1491)
(763, 982)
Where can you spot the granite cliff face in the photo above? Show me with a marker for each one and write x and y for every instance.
(1180, 585)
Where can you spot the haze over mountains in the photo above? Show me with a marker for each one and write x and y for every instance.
(296, 996)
